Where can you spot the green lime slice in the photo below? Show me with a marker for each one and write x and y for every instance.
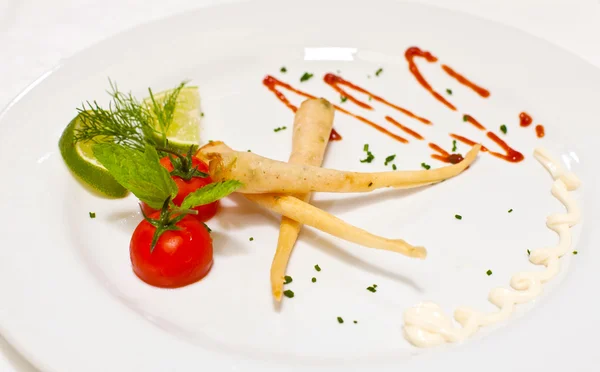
(82, 163)
(184, 131)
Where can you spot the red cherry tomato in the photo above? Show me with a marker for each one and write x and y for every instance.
(180, 257)
(205, 212)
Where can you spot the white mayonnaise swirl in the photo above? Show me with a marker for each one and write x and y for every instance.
(426, 325)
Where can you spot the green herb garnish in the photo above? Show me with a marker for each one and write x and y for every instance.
(503, 128)
(127, 121)
(489, 272)
(528, 252)
(283, 70)
(453, 145)
(510, 210)
(340, 320)
(343, 99)
(370, 155)
(575, 252)
(317, 267)
(210, 193)
(251, 238)
(371, 289)
(389, 159)
(279, 129)
(306, 76)
(378, 72)
(394, 167)
(138, 172)
(356, 321)
(465, 117)
(426, 166)
(449, 91)
(458, 216)
(288, 279)
(92, 214)
(288, 293)
(314, 280)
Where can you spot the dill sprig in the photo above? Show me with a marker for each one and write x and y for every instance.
(127, 121)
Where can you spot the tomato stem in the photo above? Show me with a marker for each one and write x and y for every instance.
(167, 220)
(182, 165)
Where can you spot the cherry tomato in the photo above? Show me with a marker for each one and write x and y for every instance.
(205, 212)
(180, 257)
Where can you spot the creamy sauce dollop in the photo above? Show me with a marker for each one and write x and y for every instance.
(426, 325)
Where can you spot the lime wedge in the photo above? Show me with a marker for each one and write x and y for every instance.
(184, 131)
(81, 161)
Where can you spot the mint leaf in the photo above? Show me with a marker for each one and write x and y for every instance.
(210, 193)
(138, 172)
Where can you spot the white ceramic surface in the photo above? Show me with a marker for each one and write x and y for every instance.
(71, 288)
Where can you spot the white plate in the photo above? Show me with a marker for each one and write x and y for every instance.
(71, 303)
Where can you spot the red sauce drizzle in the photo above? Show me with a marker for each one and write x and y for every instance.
(335, 81)
(511, 155)
(539, 130)
(467, 141)
(334, 135)
(474, 121)
(410, 55)
(404, 128)
(272, 83)
(524, 119)
(443, 155)
(466, 82)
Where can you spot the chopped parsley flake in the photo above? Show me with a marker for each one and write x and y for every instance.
(288, 293)
(288, 279)
(356, 321)
(465, 117)
(279, 129)
(378, 72)
(92, 214)
(426, 166)
(528, 252)
(371, 289)
(249, 150)
(374, 285)
(510, 210)
(394, 167)
(370, 155)
(458, 216)
(389, 159)
(201, 114)
(317, 267)
(343, 99)
(283, 70)
(340, 320)
(489, 272)
(575, 252)
(453, 145)
(306, 76)
(314, 280)
(449, 91)
(503, 128)
(251, 238)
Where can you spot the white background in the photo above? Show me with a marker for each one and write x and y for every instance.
(35, 35)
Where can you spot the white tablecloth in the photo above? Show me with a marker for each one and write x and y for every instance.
(35, 35)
